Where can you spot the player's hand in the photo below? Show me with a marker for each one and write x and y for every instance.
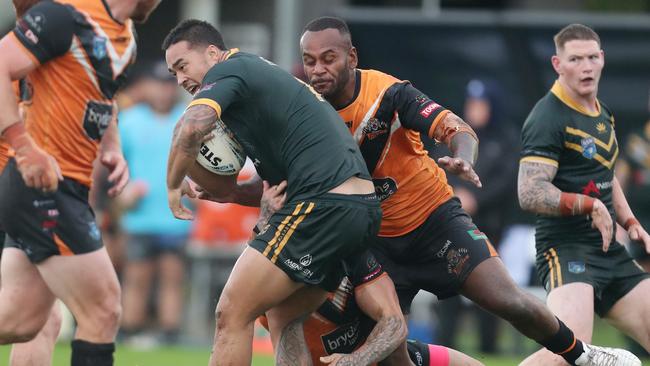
(273, 198)
(38, 168)
(337, 359)
(176, 205)
(461, 168)
(637, 233)
(118, 171)
(601, 220)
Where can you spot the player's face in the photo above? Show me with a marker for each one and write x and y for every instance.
(328, 60)
(580, 64)
(143, 9)
(188, 64)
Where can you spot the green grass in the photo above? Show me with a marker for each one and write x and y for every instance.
(198, 356)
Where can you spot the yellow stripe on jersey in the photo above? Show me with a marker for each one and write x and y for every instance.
(290, 232)
(539, 159)
(597, 141)
(599, 158)
(551, 271)
(209, 103)
(280, 228)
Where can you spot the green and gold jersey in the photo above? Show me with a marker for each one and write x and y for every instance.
(583, 147)
(286, 129)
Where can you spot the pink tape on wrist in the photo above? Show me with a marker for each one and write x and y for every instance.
(438, 355)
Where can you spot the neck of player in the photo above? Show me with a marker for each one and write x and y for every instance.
(121, 10)
(587, 101)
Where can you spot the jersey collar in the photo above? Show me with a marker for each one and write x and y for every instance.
(563, 96)
(231, 52)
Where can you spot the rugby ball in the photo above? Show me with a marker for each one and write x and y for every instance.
(222, 154)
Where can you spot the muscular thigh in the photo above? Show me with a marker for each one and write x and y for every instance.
(47, 224)
(437, 257)
(631, 314)
(25, 296)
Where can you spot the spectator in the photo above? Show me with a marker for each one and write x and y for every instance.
(155, 243)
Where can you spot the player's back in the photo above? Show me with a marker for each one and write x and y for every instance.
(409, 183)
(83, 54)
(286, 129)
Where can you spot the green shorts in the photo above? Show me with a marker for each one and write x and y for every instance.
(310, 240)
(612, 274)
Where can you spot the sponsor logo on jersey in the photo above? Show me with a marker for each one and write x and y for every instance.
(384, 187)
(456, 260)
(477, 234)
(99, 47)
(595, 188)
(96, 119)
(343, 339)
(298, 268)
(428, 109)
(577, 267)
(422, 99)
(441, 252)
(588, 147)
(305, 260)
(375, 127)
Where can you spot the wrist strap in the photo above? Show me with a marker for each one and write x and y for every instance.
(572, 204)
(631, 221)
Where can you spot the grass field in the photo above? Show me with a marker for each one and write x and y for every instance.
(198, 356)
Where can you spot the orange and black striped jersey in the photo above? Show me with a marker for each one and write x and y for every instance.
(386, 117)
(83, 54)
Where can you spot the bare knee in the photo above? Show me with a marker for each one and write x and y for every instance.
(19, 332)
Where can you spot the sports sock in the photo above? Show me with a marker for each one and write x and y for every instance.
(564, 343)
(92, 354)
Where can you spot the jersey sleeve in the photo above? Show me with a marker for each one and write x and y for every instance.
(542, 141)
(416, 111)
(45, 31)
(363, 269)
(221, 88)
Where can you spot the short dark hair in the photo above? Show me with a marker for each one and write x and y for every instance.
(574, 32)
(196, 33)
(323, 23)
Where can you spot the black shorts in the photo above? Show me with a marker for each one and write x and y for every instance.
(612, 274)
(47, 224)
(142, 247)
(309, 239)
(437, 256)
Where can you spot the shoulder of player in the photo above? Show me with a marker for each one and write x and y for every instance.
(235, 65)
(607, 112)
(547, 111)
(47, 16)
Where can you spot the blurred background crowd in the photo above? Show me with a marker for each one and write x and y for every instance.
(488, 61)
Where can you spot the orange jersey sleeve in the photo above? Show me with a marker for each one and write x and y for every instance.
(83, 54)
(386, 118)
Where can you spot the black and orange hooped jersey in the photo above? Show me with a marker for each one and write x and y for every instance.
(83, 54)
(386, 117)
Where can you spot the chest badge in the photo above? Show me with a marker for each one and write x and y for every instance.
(601, 128)
(588, 147)
(99, 47)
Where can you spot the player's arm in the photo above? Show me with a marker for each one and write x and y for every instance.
(194, 127)
(419, 113)
(111, 156)
(625, 216)
(541, 148)
(378, 300)
(43, 33)
(246, 193)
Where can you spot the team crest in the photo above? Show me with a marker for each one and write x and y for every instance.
(99, 47)
(577, 267)
(601, 128)
(588, 147)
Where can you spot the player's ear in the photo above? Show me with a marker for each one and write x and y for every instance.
(212, 52)
(555, 61)
(353, 59)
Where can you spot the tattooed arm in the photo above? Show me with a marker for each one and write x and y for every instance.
(536, 192)
(195, 126)
(378, 300)
(292, 347)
